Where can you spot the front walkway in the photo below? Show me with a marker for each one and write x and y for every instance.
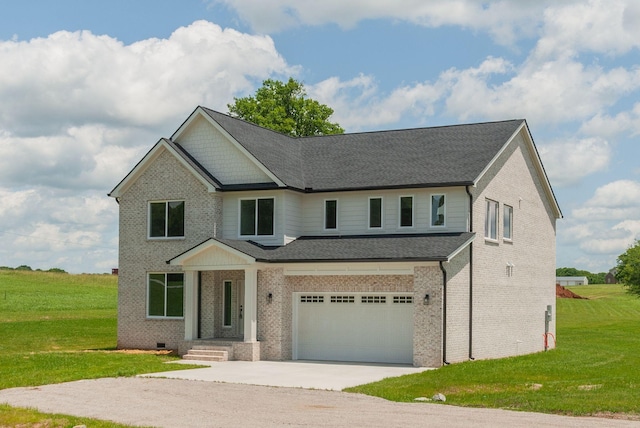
(294, 374)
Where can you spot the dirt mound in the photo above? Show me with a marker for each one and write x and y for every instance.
(566, 294)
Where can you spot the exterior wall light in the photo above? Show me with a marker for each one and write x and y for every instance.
(426, 299)
(270, 297)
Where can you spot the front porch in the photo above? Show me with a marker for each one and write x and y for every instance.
(221, 312)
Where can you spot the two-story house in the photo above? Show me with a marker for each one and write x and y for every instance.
(420, 246)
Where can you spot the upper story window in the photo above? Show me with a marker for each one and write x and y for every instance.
(406, 211)
(166, 219)
(165, 293)
(491, 220)
(375, 213)
(330, 214)
(256, 217)
(507, 219)
(438, 210)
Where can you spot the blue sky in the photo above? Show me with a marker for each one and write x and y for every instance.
(88, 87)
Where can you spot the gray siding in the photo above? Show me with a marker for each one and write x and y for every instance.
(353, 211)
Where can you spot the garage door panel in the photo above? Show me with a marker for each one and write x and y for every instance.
(346, 329)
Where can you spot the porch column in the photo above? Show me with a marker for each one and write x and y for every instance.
(190, 305)
(250, 304)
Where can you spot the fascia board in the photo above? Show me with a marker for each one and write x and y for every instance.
(137, 170)
(460, 248)
(210, 243)
(144, 163)
(536, 159)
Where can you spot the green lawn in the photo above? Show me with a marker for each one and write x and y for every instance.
(56, 327)
(595, 369)
(59, 327)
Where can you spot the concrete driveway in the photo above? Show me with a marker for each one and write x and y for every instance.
(186, 403)
(292, 374)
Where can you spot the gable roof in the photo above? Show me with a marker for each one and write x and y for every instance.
(349, 248)
(180, 154)
(437, 156)
(456, 155)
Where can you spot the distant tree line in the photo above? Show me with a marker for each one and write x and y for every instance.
(593, 278)
(28, 268)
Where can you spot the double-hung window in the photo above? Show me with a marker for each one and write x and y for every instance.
(330, 214)
(165, 293)
(406, 211)
(438, 210)
(375, 213)
(491, 220)
(256, 217)
(507, 220)
(166, 219)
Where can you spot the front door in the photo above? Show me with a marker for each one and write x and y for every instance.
(233, 309)
(240, 293)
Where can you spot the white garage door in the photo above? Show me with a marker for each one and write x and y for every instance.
(366, 327)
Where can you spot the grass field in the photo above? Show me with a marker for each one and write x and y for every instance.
(595, 369)
(56, 327)
(59, 327)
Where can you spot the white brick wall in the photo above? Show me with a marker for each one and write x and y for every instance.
(509, 310)
(164, 179)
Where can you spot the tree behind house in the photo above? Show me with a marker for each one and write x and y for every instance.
(285, 108)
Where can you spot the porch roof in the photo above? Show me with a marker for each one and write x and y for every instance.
(354, 248)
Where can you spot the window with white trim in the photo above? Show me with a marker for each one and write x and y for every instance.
(165, 293)
(256, 217)
(507, 220)
(375, 213)
(166, 219)
(406, 211)
(491, 220)
(438, 210)
(330, 214)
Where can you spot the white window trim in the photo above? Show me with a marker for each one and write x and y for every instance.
(324, 217)
(509, 239)
(166, 225)
(240, 235)
(486, 220)
(162, 317)
(381, 213)
(440, 226)
(413, 212)
(224, 296)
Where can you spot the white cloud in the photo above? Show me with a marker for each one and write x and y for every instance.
(358, 104)
(615, 195)
(604, 26)
(504, 20)
(568, 162)
(72, 79)
(606, 225)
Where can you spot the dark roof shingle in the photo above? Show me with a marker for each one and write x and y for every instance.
(415, 247)
(421, 157)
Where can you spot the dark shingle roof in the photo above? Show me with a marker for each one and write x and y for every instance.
(418, 247)
(438, 156)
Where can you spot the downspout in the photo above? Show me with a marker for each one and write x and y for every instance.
(470, 276)
(444, 314)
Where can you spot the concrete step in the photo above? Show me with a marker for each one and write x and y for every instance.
(204, 358)
(206, 355)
